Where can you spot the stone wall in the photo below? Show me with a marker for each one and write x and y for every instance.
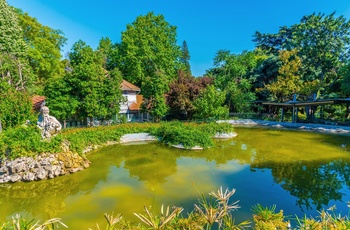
(45, 166)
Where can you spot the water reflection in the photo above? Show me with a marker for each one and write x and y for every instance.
(297, 171)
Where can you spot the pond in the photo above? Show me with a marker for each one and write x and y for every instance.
(299, 172)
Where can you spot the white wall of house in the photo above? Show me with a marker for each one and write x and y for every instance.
(130, 97)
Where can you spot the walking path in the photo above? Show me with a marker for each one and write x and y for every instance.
(336, 129)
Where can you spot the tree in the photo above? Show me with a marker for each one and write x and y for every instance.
(345, 83)
(183, 91)
(210, 104)
(44, 48)
(322, 43)
(14, 68)
(289, 81)
(109, 53)
(264, 74)
(185, 58)
(232, 76)
(63, 105)
(15, 107)
(150, 58)
(97, 90)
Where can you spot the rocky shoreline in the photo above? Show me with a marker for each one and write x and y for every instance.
(44, 166)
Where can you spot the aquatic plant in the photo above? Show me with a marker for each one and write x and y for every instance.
(20, 223)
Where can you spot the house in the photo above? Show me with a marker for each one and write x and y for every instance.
(131, 107)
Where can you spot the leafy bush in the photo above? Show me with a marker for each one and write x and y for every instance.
(26, 141)
(178, 133)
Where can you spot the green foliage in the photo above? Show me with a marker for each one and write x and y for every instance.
(190, 134)
(20, 223)
(266, 218)
(96, 90)
(175, 133)
(15, 107)
(150, 58)
(182, 93)
(185, 58)
(26, 141)
(148, 46)
(44, 48)
(345, 82)
(212, 128)
(14, 67)
(289, 81)
(322, 42)
(210, 104)
(232, 75)
(62, 103)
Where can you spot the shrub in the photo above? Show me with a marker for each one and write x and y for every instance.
(175, 133)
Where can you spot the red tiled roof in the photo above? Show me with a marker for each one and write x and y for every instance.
(129, 86)
(37, 101)
(137, 105)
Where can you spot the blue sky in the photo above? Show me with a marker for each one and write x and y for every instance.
(207, 26)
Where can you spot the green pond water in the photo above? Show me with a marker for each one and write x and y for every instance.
(299, 172)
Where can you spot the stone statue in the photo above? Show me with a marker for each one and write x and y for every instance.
(49, 125)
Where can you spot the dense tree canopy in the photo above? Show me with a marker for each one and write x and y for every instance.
(96, 89)
(44, 48)
(183, 92)
(210, 104)
(322, 42)
(150, 58)
(232, 74)
(14, 68)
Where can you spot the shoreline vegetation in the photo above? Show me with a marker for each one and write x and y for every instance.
(212, 211)
(25, 157)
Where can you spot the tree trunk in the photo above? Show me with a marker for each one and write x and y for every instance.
(0, 127)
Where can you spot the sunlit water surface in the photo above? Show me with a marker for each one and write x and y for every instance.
(299, 172)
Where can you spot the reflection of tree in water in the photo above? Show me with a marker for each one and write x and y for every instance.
(151, 164)
(46, 198)
(313, 183)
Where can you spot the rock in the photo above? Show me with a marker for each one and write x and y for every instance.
(19, 167)
(41, 174)
(15, 178)
(29, 176)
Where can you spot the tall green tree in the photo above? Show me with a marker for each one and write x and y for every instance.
(185, 58)
(15, 107)
(150, 58)
(44, 48)
(109, 53)
(322, 42)
(60, 98)
(233, 76)
(210, 104)
(96, 89)
(14, 68)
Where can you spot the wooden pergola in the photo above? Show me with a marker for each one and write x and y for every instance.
(311, 104)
